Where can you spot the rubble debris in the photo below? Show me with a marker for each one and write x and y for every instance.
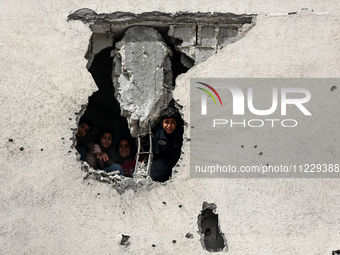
(119, 182)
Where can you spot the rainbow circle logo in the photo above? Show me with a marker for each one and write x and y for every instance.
(209, 93)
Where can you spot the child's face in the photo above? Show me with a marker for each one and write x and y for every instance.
(124, 149)
(106, 140)
(83, 129)
(169, 125)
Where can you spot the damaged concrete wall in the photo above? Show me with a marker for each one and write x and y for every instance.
(47, 207)
(199, 42)
(142, 76)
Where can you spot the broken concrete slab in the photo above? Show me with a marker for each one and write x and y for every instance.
(142, 77)
(121, 19)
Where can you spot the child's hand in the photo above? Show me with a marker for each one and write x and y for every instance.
(103, 157)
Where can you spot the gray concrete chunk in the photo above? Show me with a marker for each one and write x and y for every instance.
(143, 83)
(207, 36)
(225, 34)
(187, 34)
(202, 53)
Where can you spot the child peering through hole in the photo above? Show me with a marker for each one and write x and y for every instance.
(127, 155)
(97, 156)
(167, 144)
(126, 151)
(84, 127)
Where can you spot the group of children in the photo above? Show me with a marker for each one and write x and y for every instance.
(167, 145)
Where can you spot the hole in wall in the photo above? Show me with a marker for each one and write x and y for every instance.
(103, 109)
(180, 62)
(120, 67)
(212, 238)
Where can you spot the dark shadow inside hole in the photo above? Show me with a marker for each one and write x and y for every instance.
(103, 108)
(101, 69)
(212, 235)
(177, 66)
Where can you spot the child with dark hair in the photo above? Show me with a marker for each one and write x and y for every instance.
(126, 151)
(97, 157)
(167, 144)
(84, 127)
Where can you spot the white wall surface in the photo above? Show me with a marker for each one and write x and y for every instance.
(47, 208)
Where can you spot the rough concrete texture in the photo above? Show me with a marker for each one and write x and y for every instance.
(47, 207)
(200, 42)
(187, 35)
(109, 21)
(142, 77)
(98, 42)
(207, 36)
(120, 183)
(197, 35)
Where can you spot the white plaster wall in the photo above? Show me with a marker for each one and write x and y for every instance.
(47, 208)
